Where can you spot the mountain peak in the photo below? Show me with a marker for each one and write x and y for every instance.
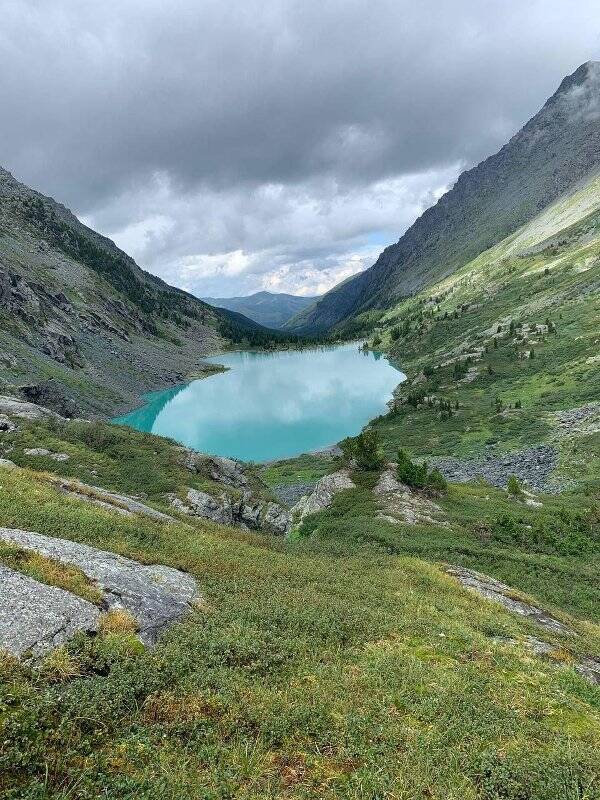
(579, 91)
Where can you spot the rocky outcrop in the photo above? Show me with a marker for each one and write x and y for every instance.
(51, 396)
(245, 511)
(227, 471)
(35, 618)
(14, 407)
(112, 501)
(492, 589)
(156, 596)
(6, 425)
(322, 495)
(400, 503)
(240, 508)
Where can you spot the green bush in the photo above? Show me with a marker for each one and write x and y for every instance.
(417, 475)
(514, 487)
(363, 450)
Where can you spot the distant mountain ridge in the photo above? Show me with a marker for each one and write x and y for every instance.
(555, 150)
(270, 309)
(78, 313)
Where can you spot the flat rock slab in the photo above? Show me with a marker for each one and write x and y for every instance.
(35, 618)
(111, 500)
(155, 596)
(492, 589)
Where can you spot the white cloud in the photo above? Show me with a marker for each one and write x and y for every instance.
(231, 146)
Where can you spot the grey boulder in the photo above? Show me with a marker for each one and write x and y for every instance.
(322, 495)
(35, 618)
(156, 596)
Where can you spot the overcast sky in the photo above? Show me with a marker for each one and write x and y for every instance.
(238, 145)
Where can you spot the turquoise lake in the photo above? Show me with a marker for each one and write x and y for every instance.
(272, 405)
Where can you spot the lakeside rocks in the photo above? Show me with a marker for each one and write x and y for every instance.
(156, 595)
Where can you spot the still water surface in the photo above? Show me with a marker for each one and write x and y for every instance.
(272, 405)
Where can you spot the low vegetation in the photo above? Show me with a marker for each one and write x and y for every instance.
(302, 654)
(418, 475)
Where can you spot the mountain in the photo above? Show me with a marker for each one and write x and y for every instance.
(555, 150)
(81, 325)
(267, 308)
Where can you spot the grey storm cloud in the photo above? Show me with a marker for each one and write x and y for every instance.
(232, 146)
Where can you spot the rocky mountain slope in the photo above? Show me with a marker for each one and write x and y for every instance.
(81, 325)
(270, 309)
(552, 153)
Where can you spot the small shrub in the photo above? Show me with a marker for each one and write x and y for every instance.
(436, 481)
(513, 487)
(363, 450)
(418, 476)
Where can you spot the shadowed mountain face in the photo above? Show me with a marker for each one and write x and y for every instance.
(546, 159)
(267, 308)
(80, 320)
